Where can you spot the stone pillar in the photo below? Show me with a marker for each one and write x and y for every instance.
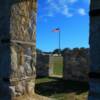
(94, 91)
(17, 48)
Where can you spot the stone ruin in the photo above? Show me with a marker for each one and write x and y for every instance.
(42, 65)
(45, 64)
(17, 48)
(94, 41)
(76, 67)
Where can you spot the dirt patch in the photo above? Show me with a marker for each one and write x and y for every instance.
(32, 97)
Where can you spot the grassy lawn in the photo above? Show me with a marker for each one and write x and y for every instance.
(58, 70)
(61, 90)
(58, 67)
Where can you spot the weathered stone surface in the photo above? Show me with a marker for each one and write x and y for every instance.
(95, 4)
(42, 65)
(76, 68)
(17, 48)
(23, 20)
(46, 63)
(94, 90)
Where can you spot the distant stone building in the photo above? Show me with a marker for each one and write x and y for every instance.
(42, 65)
(46, 63)
(76, 67)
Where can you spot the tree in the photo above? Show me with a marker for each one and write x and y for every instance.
(56, 51)
(65, 50)
(38, 51)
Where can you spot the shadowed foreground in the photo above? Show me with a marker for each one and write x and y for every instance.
(61, 90)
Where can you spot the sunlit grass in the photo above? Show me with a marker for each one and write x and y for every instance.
(58, 67)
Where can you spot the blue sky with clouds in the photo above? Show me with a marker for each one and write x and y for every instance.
(71, 16)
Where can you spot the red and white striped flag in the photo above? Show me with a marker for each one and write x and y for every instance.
(56, 30)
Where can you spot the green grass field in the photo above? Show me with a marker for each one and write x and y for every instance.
(58, 70)
(61, 90)
(58, 67)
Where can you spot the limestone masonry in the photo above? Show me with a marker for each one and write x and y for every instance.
(17, 48)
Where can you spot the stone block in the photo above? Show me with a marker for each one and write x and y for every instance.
(17, 48)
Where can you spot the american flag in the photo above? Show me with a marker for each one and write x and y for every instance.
(56, 30)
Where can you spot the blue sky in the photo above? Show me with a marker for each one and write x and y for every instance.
(71, 16)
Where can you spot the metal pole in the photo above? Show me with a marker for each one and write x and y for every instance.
(59, 41)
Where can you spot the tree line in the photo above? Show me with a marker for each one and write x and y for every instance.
(75, 51)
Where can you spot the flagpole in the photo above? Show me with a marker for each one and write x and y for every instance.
(59, 38)
(59, 41)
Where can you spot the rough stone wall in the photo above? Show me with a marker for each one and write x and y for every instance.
(76, 68)
(94, 41)
(46, 63)
(42, 65)
(17, 48)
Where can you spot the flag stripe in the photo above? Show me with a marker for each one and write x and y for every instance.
(56, 30)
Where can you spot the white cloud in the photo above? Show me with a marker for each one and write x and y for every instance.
(55, 7)
(49, 1)
(60, 7)
(72, 1)
(50, 14)
(67, 1)
(63, 7)
(66, 12)
(86, 1)
(81, 11)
